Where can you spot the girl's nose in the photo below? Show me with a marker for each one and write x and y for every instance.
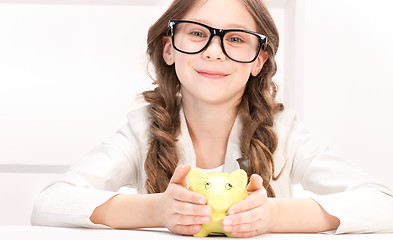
(214, 50)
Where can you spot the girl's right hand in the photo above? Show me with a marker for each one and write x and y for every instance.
(181, 210)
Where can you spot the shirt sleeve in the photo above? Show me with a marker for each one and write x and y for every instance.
(70, 201)
(361, 203)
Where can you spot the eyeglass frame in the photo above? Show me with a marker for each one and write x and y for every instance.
(262, 43)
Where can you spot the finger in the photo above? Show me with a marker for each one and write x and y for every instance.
(184, 195)
(186, 229)
(190, 220)
(246, 217)
(192, 209)
(254, 200)
(180, 175)
(256, 183)
(243, 228)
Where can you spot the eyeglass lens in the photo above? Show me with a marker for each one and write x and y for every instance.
(238, 45)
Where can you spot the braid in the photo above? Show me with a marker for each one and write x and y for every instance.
(257, 109)
(258, 143)
(161, 159)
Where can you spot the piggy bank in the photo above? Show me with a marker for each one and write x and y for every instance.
(222, 190)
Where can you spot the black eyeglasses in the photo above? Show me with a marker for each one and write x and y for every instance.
(237, 44)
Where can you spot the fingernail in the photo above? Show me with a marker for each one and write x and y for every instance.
(231, 212)
(206, 219)
(227, 221)
(206, 210)
(202, 201)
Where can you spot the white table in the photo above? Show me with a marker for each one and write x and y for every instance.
(55, 233)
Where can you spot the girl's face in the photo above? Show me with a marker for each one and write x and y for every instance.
(210, 76)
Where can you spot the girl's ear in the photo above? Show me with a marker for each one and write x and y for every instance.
(259, 62)
(167, 52)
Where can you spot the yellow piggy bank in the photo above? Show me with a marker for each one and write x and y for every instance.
(222, 190)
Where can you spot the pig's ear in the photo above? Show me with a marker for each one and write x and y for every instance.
(195, 177)
(239, 177)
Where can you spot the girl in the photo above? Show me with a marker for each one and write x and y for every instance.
(214, 108)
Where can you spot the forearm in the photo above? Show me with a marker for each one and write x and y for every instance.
(302, 215)
(128, 211)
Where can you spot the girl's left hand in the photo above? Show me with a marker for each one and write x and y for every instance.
(254, 215)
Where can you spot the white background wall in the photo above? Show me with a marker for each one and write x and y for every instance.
(348, 80)
(69, 73)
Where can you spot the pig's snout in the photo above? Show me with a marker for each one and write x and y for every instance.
(219, 202)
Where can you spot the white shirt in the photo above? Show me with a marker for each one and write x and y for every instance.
(361, 203)
(217, 169)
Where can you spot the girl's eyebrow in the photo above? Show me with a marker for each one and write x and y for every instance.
(229, 26)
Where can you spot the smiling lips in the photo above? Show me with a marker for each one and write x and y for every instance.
(212, 74)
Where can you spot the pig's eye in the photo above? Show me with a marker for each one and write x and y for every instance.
(228, 186)
(207, 185)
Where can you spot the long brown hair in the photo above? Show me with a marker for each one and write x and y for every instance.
(256, 109)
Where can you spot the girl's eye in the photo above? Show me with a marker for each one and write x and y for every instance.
(228, 186)
(197, 34)
(208, 185)
(235, 40)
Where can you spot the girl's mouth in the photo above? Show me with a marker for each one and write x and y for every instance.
(212, 74)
